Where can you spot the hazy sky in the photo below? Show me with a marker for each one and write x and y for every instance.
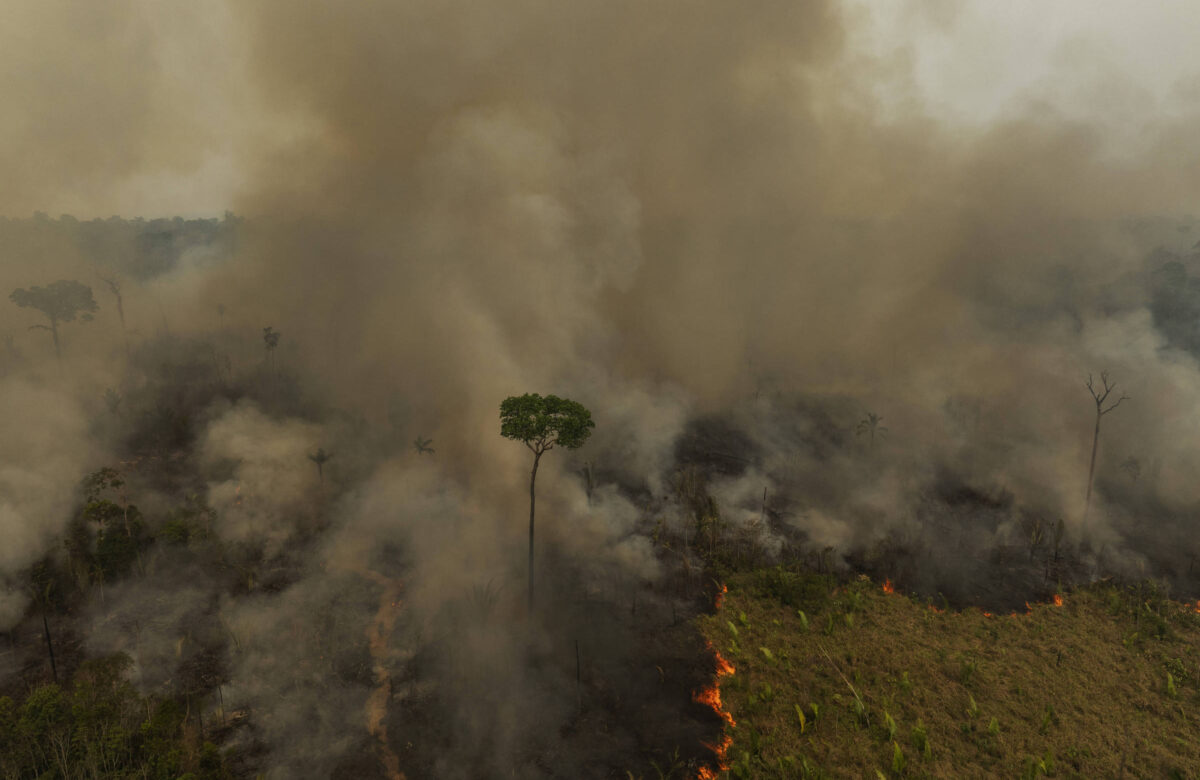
(141, 108)
(974, 61)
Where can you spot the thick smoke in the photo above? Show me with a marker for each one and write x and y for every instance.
(729, 231)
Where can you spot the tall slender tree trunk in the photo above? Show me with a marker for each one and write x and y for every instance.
(532, 499)
(49, 645)
(54, 334)
(1087, 503)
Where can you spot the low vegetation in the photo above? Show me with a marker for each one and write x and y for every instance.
(847, 680)
(98, 726)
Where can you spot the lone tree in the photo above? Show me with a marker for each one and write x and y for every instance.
(543, 424)
(271, 341)
(114, 286)
(1100, 396)
(60, 302)
(321, 457)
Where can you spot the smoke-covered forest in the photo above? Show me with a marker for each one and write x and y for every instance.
(266, 501)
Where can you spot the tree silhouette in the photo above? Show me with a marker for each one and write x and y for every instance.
(543, 424)
(1100, 397)
(271, 339)
(60, 302)
(114, 286)
(422, 446)
(321, 457)
(870, 426)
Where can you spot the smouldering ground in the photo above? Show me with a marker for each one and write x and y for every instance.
(1106, 685)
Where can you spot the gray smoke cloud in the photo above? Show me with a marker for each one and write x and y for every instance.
(664, 211)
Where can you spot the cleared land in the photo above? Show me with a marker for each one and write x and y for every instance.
(847, 680)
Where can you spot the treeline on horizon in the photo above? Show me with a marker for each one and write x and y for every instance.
(139, 248)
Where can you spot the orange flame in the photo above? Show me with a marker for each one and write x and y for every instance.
(987, 614)
(1028, 608)
(935, 609)
(888, 587)
(1198, 607)
(711, 696)
(719, 599)
(1058, 601)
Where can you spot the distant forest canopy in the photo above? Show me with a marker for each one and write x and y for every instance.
(138, 248)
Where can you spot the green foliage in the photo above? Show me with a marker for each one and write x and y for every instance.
(897, 758)
(1037, 767)
(1049, 718)
(890, 724)
(860, 711)
(798, 590)
(920, 740)
(967, 671)
(98, 482)
(543, 423)
(669, 769)
(190, 522)
(61, 301)
(100, 727)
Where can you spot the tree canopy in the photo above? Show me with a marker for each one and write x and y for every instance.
(543, 423)
(60, 302)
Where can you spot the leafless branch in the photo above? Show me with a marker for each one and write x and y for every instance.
(1115, 405)
(1101, 397)
(111, 281)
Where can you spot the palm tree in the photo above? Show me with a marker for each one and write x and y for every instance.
(870, 426)
(321, 457)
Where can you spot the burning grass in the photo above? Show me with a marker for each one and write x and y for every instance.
(864, 682)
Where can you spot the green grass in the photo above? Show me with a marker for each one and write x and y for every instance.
(847, 681)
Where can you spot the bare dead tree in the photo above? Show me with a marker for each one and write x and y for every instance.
(114, 285)
(1100, 396)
